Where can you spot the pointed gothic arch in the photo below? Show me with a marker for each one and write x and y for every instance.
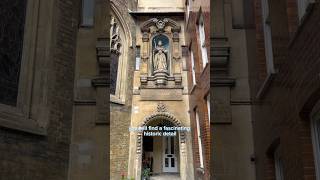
(120, 43)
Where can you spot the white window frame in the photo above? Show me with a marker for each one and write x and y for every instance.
(199, 139)
(202, 39)
(278, 164)
(302, 7)
(87, 17)
(267, 37)
(138, 58)
(208, 106)
(193, 70)
(315, 131)
(188, 9)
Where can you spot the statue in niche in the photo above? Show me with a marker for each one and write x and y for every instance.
(159, 57)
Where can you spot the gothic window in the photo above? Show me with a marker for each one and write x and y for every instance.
(119, 50)
(12, 20)
(115, 54)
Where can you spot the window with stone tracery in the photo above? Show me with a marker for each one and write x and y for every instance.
(115, 54)
(118, 64)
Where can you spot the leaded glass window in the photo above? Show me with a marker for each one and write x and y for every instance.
(113, 72)
(12, 20)
(115, 54)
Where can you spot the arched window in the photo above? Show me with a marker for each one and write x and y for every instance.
(119, 44)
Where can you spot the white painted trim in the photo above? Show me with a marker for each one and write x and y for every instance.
(194, 82)
(278, 164)
(199, 140)
(267, 37)
(316, 141)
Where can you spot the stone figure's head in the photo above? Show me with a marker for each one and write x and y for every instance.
(160, 43)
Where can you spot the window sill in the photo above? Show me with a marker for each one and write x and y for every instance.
(116, 100)
(11, 118)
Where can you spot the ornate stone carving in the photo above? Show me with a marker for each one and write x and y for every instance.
(160, 59)
(103, 55)
(161, 107)
(115, 45)
(160, 23)
(161, 53)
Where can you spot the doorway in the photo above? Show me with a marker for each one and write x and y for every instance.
(169, 155)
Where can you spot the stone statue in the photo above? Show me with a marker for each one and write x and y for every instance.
(159, 57)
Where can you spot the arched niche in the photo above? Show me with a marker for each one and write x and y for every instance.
(167, 29)
(166, 46)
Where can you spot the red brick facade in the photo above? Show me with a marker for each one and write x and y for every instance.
(200, 91)
(282, 110)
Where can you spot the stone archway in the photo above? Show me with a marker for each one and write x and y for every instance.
(163, 115)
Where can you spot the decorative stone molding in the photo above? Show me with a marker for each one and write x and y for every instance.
(103, 55)
(220, 54)
(165, 30)
(161, 107)
(219, 66)
(161, 113)
(160, 24)
(116, 44)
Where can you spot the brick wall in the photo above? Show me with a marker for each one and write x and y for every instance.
(284, 110)
(29, 156)
(199, 92)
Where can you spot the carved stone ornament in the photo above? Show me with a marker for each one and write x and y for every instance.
(160, 23)
(161, 107)
(115, 44)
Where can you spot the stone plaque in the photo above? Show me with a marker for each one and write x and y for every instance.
(161, 94)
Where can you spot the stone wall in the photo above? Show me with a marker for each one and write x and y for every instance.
(231, 120)
(200, 91)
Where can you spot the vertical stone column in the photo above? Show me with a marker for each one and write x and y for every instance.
(183, 156)
(144, 57)
(176, 64)
(145, 52)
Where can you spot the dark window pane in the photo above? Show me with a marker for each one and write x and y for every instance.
(166, 162)
(172, 145)
(113, 72)
(12, 20)
(87, 12)
(172, 162)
